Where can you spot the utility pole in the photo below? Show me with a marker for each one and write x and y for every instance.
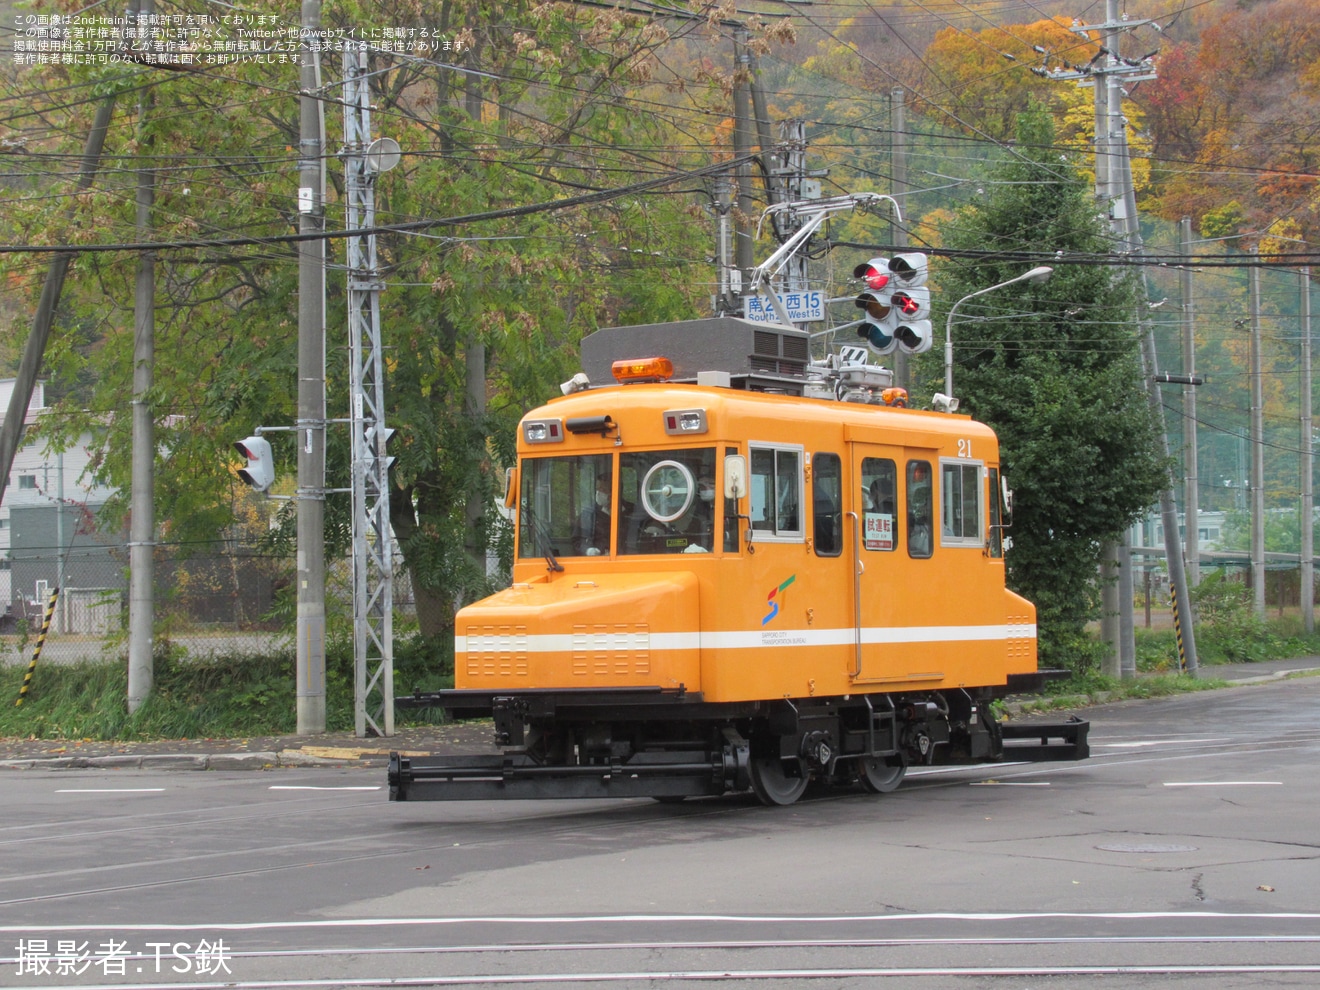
(373, 554)
(142, 525)
(1308, 462)
(725, 299)
(1111, 662)
(1191, 493)
(744, 256)
(1114, 71)
(898, 235)
(1103, 196)
(774, 183)
(1257, 445)
(309, 430)
(1119, 176)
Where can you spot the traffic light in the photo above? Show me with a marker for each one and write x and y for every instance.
(260, 470)
(897, 306)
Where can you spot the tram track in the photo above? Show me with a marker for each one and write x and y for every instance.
(783, 960)
(556, 827)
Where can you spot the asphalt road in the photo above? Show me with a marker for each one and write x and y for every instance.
(1184, 853)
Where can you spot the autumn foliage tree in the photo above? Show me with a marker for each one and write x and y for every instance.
(1234, 115)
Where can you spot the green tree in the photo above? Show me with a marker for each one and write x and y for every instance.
(1054, 369)
(532, 103)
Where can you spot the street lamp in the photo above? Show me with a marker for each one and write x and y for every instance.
(1040, 274)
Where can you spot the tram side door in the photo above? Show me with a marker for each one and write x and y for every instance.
(890, 502)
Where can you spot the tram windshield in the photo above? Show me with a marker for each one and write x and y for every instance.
(661, 501)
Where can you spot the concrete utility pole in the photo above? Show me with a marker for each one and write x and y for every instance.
(1114, 71)
(11, 431)
(744, 256)
(1103, 196)
(142, 525)
(1191, 492)
(1257, 446)
(310, 427)
(1119, 177)
(1308, 462)
(898, 234)
(774, 182)
(725, 302)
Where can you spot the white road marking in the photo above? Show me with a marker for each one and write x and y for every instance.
(1156, 742)
(723, 974)
(108, 790)
(972, 767)
(1008, 783)
(320, 787)
(1224, 783)
(650, 919)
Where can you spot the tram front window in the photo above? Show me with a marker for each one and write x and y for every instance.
(667, 501)
(566, 506)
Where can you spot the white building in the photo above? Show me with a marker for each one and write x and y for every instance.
(39, 483)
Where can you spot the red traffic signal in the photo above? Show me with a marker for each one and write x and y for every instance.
(874, 273)
(896, 304)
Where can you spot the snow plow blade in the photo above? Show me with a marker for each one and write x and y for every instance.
(1044, 741)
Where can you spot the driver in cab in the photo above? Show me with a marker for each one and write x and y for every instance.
(591, 536)
(698, 523)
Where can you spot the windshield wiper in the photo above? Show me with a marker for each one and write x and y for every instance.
(543, 542)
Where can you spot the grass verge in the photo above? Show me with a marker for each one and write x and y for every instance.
(253, 695)
(223, 696)
(1094, 689)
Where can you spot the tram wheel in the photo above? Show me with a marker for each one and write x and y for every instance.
(771, 785)
(881, 774)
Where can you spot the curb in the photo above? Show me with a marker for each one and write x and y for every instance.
(183, 761)
(1278, 675)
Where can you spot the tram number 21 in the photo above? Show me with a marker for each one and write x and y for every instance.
(964, 448)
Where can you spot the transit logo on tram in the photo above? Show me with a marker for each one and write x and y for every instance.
(770, 599)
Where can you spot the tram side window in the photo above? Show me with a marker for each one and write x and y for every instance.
(920, 511)
(960, 503)
(827, 504)
(776, 492)
(880, 498)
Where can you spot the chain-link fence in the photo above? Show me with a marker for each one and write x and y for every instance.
(217, 601)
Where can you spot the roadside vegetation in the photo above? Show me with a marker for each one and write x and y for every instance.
(222, 696)
(1227, 631)
(243, 695)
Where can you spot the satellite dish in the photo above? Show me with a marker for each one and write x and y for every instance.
(383, 154)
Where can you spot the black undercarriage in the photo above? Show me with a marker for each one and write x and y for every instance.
(671, 744)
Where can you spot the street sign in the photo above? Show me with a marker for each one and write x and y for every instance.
(803, 307)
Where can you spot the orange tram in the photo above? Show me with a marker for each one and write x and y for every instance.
(732, 579)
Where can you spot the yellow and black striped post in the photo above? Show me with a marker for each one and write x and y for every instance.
(36, 650)
(1177, 629)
